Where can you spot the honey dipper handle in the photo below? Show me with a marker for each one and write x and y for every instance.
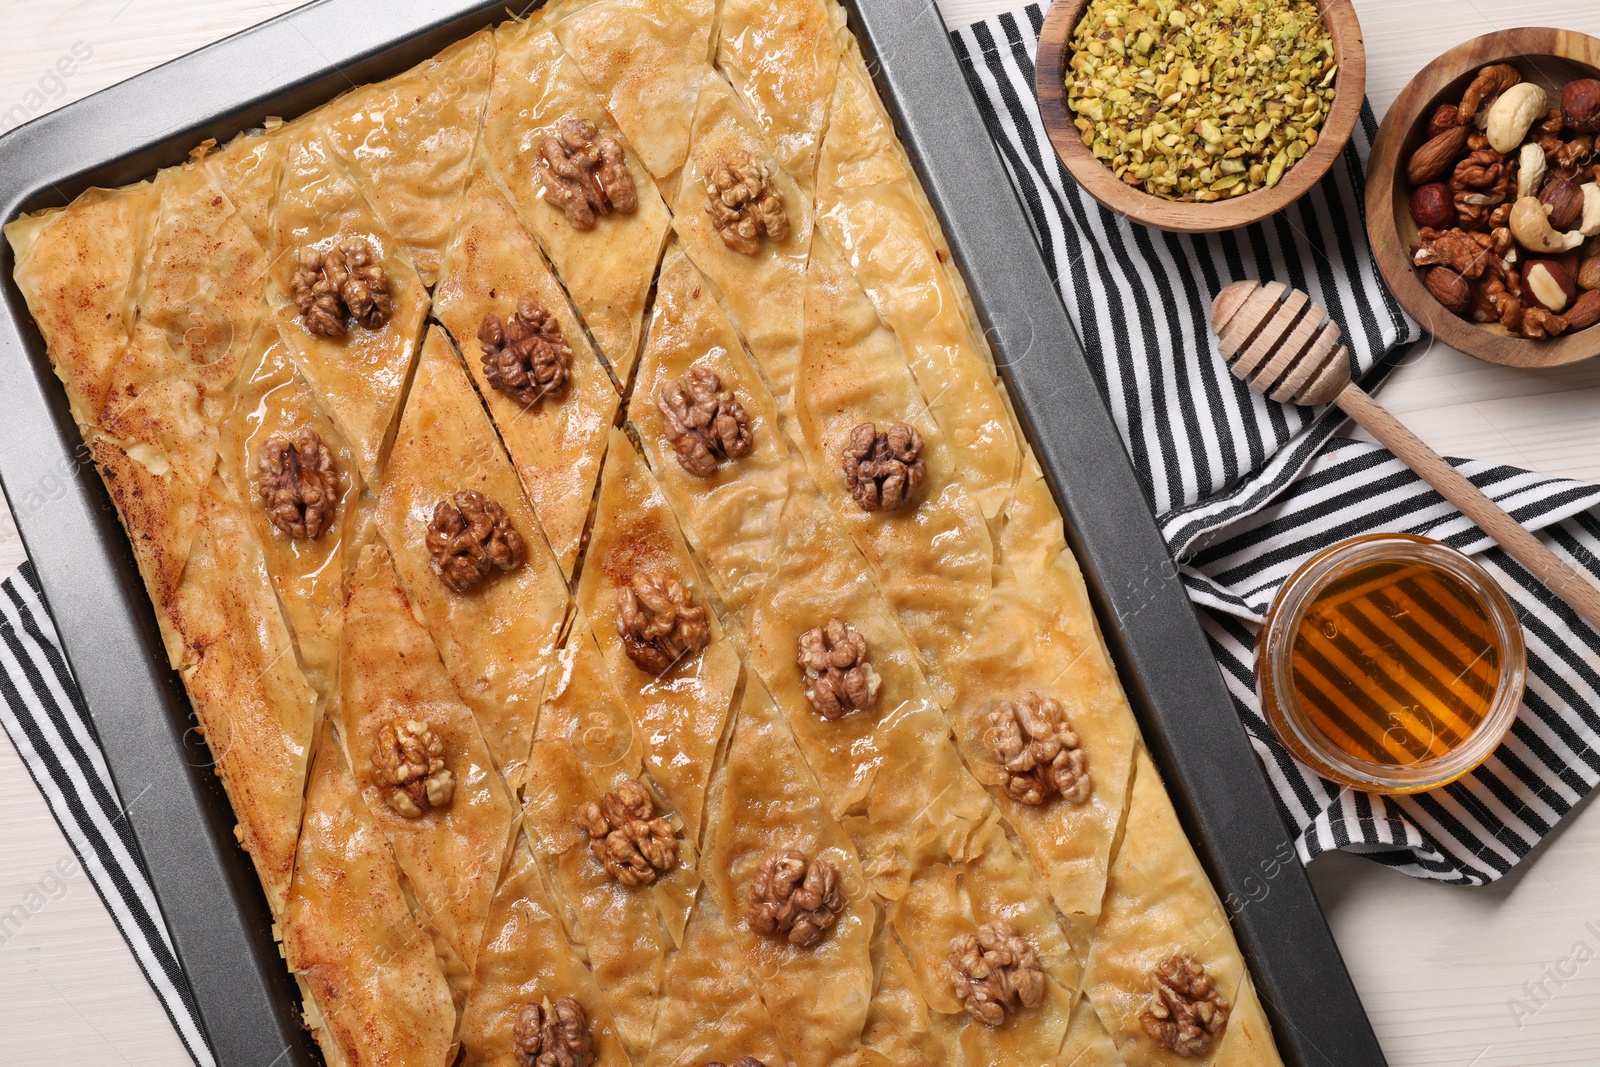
(1562, 579)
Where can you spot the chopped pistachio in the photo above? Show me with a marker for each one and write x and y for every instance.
(1198, 100)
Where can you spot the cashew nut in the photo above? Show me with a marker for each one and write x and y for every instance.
(1531, 227)
(1591, 211)
(1530, 170)
(1513, 115)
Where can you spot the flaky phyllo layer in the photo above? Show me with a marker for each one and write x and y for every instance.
(431, 763)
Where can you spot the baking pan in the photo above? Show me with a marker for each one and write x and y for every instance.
(184, 826)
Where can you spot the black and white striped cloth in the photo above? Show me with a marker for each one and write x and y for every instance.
(45, 717)
(1245, 490)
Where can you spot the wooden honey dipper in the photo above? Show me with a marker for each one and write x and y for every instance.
(1283, 345)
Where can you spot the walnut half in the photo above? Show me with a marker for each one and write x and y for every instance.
(527, 359)
(995, 971)
(409, 762)
(1039, 750)
(627, 836)
(742, 1061)
(659, 622)
(882, 470)
(584, 174)
(743, 202)
(795, 898)
(299, 483)
(1186, 1012)
(703, 421)
(839, 679)
(555, 1037)
(468, 537)
(342, 282)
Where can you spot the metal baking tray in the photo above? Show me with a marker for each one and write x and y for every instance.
(207, 890)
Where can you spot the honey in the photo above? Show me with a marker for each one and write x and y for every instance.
(1387, 660)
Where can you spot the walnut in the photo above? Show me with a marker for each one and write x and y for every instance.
(1490, 83)
(527, 359)
(659, 622)
(469, 536)
(1497, 299)
(704, 422)
(742, 1061)
(995, 971)
(627, 836)
(743, 202)
(1538, 324)
(584, 174)
(1553, 124)
(557, 1037)
(342, 282)
(1186, 1013)
(299, 483)
(1039, 750)
(1569, 156)
(795, 898)
(409, 762)
(1481, 182)
(1456, 249)
(839, 679)
(882, 470)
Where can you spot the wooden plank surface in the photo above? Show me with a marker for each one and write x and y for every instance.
(1499, 977)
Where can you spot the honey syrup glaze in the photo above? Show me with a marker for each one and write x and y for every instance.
(1396, 662)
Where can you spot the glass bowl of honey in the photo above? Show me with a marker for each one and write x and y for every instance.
(1391, 663)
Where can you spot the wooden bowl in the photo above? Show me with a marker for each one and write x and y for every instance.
(1558, 56)
(1050, 69)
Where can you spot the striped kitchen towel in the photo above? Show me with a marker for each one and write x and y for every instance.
(46, 719)
(1245, 489)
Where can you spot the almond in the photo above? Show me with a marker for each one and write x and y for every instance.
(1438, 155)
(1586, 312)
(1449, 288)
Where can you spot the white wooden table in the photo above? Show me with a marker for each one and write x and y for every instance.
(1505, 976)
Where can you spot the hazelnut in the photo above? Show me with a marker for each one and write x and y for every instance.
(1580, 105)
(1445, 117)
(1433, 206)
(1564, 198)
(1449, 288)
(1549, 285)
(1586, 312)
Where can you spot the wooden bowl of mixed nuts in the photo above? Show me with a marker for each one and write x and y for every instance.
(1199, 115)
(1483, 197)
